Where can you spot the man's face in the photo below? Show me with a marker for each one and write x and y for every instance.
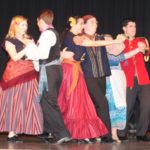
(130, 29)
(40, 24)
(90, 26)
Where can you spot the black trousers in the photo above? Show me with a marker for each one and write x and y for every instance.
(53, 121)
(97, 90)
(142, 94)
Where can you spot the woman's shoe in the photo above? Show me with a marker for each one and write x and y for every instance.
(107, 140)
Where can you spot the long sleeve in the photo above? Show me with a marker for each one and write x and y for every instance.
(42, 49)
(115, 60)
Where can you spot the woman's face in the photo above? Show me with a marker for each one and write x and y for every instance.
(21, 28)
(90, 26)
(78, 27)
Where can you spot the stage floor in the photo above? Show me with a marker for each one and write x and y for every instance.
(32, 142)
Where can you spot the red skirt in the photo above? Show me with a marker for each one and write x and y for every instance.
(76, 105)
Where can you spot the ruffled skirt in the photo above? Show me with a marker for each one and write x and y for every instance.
(76, 106)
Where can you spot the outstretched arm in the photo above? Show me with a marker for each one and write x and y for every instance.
(45, 42)
(127, 55)
(114, 49)
(84, 41)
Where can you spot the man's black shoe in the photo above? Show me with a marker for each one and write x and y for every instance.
(72, 141)
(84, 141)
(107, 140)
(43, 136)
(57, 141)
(143, 138)
(81, 141)
(95, 140)
(14, 139)
(46, 136)
(123, 138)
(51, 140)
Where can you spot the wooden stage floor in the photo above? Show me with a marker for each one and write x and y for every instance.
(32, 142)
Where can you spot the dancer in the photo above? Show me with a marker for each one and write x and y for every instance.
(73, 37)
(75, 103)
(19, 110)
(138, 83)
(48, 53)
(116, 86)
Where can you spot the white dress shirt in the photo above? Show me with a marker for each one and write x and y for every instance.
(42, 49)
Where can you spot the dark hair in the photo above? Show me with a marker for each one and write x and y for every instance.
(87, 17)
(68, 25)
(47, 16)
(126, 22)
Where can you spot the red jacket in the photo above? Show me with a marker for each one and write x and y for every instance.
(135, 63)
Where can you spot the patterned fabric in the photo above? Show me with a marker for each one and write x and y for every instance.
(95, 62)
(17, 72)
(116, 92)
(117, 114)
(19, 110)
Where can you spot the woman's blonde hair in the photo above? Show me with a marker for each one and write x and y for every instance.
(14, 22)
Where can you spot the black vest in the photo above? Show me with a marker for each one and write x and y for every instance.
(54, 50)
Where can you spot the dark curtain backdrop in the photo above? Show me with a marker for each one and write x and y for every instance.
(109, 13)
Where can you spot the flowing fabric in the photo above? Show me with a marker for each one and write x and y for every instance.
(76, 105)
(17, 72)
(19, 110)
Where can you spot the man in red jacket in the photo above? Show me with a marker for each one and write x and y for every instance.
(138, 82)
